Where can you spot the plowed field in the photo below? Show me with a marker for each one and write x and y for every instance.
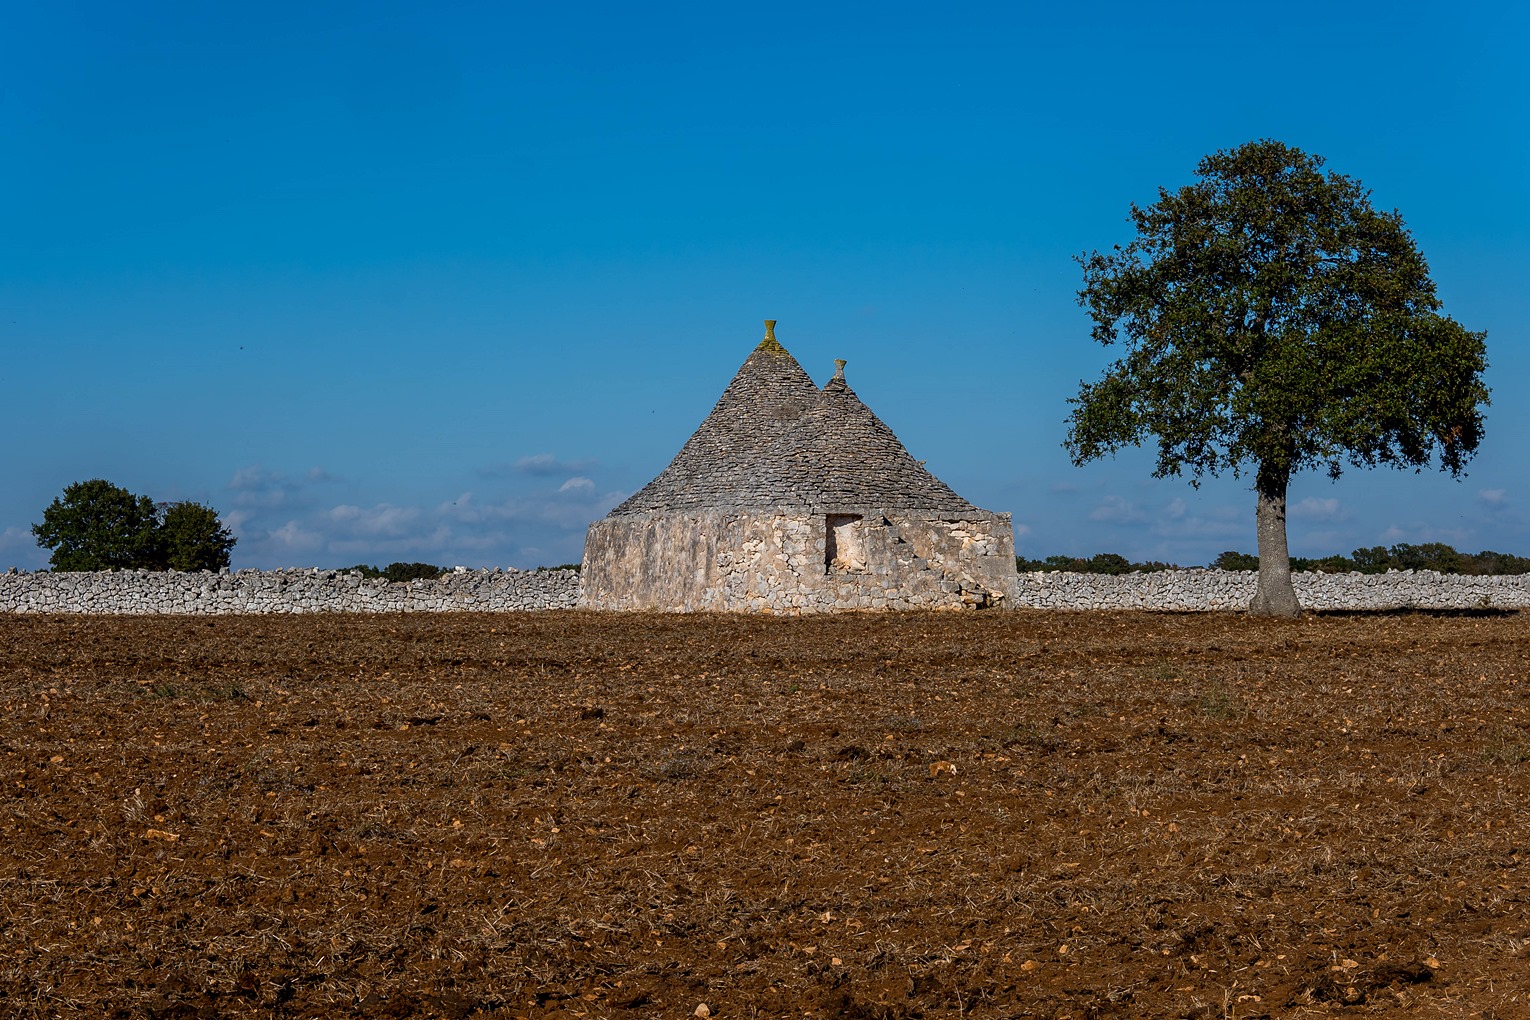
(888, 816)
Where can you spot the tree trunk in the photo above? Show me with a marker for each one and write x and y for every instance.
(1274, 596)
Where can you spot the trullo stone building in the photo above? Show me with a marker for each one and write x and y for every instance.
(795, 499)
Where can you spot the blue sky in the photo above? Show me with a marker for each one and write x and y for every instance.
(446, 281)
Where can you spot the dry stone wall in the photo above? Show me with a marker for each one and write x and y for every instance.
(284, 591)
(1198, 590)
(320, 591)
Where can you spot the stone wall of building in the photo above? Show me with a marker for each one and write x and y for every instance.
(798, 563)
(1198, 590)
(284, 591)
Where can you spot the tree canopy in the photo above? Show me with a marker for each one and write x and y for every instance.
(1271, 319)
(96, 525)
(191, 537)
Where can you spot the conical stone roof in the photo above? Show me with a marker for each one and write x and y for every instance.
(775, 441)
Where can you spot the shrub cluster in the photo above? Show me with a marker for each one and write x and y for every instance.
(400, 571)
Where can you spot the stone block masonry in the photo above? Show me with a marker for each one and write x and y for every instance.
(494, 591)
(284, 591)
(785, 562)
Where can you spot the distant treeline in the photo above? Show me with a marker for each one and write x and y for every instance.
(1379, 559)
(1100, 563)
(1375, 560)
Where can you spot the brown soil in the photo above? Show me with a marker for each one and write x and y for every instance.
(890, 816)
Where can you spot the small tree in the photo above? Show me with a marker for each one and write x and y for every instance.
(396, 572)
(1233, 560)
(96, 525)
(1435, 556)
(191, 537)
(1273, 320)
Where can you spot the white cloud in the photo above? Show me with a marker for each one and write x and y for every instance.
(1178, 524)
(259, 487)
(574, 502)
(1115, 510)
(538, 465)
(383, 520)
(20, 549)
(279, 522)
(1494, 498)
(1314, 509)
(293, 537)
(254, 477)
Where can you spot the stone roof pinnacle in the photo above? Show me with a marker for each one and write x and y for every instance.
(770, 344)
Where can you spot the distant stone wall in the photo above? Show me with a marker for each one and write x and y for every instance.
(1198, 590)
(791, 562)
(328, 591)
(284, 591)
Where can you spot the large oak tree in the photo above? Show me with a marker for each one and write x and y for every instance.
(1272, 321)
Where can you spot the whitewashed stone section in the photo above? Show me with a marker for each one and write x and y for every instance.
(284, 591)
(750, 561)
(1201, 590)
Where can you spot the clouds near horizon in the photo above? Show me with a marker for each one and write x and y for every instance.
(279, 515)
(538, 465)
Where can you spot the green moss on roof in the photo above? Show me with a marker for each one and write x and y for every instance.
(770, 345)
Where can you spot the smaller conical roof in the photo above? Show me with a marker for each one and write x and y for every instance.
(775, 441)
